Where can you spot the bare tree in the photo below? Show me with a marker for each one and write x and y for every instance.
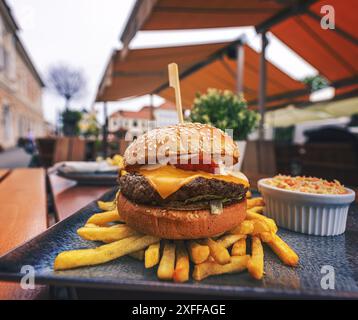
(67, 82)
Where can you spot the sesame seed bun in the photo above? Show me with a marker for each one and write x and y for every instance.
(159, 145)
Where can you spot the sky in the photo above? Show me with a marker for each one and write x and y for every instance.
(83, 34)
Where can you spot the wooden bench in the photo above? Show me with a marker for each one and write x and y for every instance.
(53, 150)
(259, 161)
(23, 215)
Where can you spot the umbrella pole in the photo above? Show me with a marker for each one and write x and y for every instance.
(262, 101)
(105, 131)
(240, 68)
(151, 108)
(262, 85)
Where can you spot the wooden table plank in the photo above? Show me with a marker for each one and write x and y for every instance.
(3, 173)
(69, 197)
(23, 215)
(13, 291)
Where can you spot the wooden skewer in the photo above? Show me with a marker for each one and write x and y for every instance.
(174, 83)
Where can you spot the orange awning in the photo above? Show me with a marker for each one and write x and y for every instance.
(332, 52)
(295, 22)
(144, 71)
(195, 14)
(221, 74)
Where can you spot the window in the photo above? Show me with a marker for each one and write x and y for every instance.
(2, 30)
(10, 58)
(135, 123)
(2, 45)
(20, 125)
(6, 116)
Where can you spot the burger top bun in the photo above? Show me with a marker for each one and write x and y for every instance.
(160, 145)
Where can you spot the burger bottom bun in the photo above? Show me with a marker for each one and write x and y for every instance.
(180, 224)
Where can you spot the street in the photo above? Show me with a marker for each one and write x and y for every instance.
(14, 158)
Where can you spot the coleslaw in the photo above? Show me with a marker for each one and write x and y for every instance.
(307, 184)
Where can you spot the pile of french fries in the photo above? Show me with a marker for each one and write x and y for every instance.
(213, 256)
(116, 160)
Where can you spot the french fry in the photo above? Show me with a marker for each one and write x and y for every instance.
(283, 251)
(138, 255)
(198, 253)
(152, 255)
(255, 265)
(107, 206)
(117, 160)
(206, 269)
(218, 251)
(103, 218)
(166, 265)
(245, 227)
(90, 225)
(259, 209)
(181, 272)
(255, 202)
(250, 215)
(239, 248)
(88, 257)
(106, 234)
(248, 194)
(260, 226)
(229, 239)
(266, 236)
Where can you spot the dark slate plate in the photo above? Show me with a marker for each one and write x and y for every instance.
(91, 178)
(125, 273)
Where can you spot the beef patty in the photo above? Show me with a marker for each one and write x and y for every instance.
(137, 188)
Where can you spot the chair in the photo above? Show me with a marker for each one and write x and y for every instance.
(53, 150)
(46, 149)
(259, 161)
(331, 161)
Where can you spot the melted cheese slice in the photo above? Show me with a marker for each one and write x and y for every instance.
(168, 179)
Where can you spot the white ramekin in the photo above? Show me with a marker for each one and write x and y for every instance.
(315, 214)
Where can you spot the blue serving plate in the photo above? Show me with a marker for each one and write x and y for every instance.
(125, 273)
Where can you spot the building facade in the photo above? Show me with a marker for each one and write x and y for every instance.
(135, 123)
(21, 113)
(166, 114)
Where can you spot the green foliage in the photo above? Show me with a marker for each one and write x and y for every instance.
(354, 120)
(70, 122)
(315, 82)
(89, 126)
(225, 110)
(284, 134)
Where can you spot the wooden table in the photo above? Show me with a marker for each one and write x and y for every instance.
(23, 215)
(4, 173)
(70, 197)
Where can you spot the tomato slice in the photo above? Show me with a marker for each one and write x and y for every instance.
(210, 168)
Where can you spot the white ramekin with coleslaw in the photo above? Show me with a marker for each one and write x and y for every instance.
(307, 205)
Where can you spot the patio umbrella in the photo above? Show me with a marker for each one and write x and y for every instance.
(333, 52)
(291, 115)
(203, 66)
(199, 14)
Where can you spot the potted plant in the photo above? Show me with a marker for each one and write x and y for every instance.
(70, 122)
(226, 110)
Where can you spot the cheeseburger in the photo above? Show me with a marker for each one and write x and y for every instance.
(179, 183)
